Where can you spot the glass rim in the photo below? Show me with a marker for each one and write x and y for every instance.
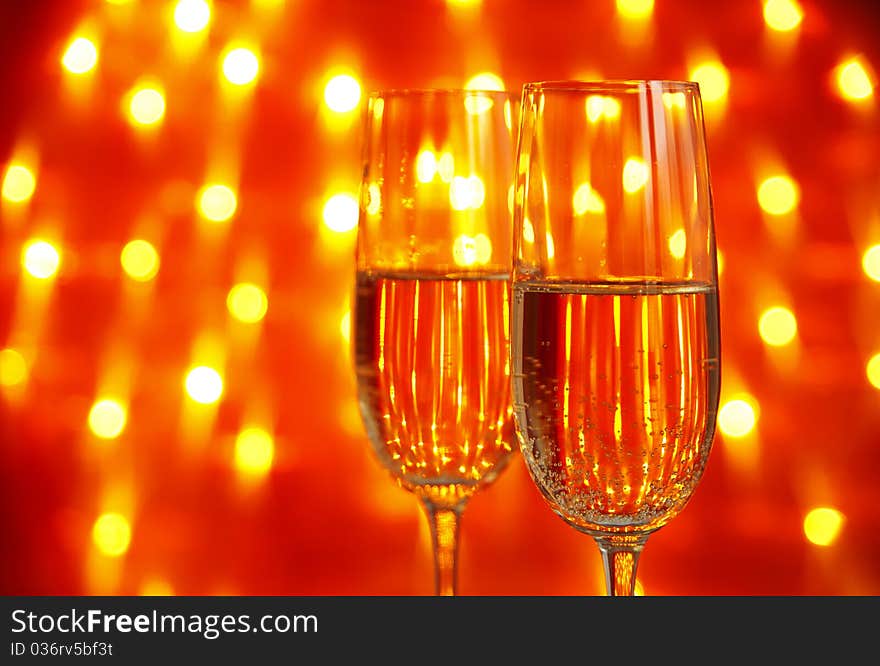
(426, 92)
(611, 85)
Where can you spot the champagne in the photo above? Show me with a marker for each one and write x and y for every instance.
(615, 390)
(431, 356)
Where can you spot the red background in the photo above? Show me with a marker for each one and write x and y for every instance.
(326, 519)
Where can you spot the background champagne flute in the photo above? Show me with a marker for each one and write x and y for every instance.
(615, 341)
(432, 298)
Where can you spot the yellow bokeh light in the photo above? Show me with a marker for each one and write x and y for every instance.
(374, 199)
(854, 80)
(737, 418)
(81, 56)
(156, 587)
(341, 213)
(635, 174)
(241, 66)
(446, 167)
(601, 106)
(254, 451)
(635, 9)
(13, 368)
(782, 15)
(345, 326)
(192, 15)
(107, 418)
(470, 250)
(639, 589)
(216, 202)
(484, 248)
(40, 259)
(146, 106)
(674, 100)
(343, 93)
(247, 302)
(777, 326)
(587, 200)
(872, 370)
(111, 534)
(714, 80)
(464, 250)
(595, 106)
(484, 81)
(19, 183)
(822, 525)
(871, 262)
(139, 260)
(204, 385)
(678, 244)
(466, 193)
(720, 261)
(778, 195)
(426, 166)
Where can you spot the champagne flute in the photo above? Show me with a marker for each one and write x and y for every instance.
(615, 329)
(432, 298)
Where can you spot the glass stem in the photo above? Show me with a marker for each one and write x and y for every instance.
(620, 558)
(444, 522)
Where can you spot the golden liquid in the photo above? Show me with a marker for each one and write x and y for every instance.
(615, 393)
(431, 355)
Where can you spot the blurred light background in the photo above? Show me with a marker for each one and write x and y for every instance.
(179, 202)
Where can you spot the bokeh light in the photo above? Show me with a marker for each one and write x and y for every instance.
(107, 418)
(871, 262)
(778, 195)
(254, 451)
(635, 9)
(241, 66)
(40, 259)
(111, 534)
(247, 302)
(340, 213)
(777, 326)
(737, 417)
(342, 93)
(192, 15)
(81, 56)
(635, 174)
(216, 202)
(156, 587)
(139, 260)
(678, 244)
(146, 106)
(587, 200)
(822, 525)
(204, 385)
(854, 82)
(471, 250)
(485, 81)
(13, 367)
(466, 193)
(714, 80)
(782, 15)
(426, 166)
(872, 370)
(19, 183)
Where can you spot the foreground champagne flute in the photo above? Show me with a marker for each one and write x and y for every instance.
(432, 298)
(615, 330)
